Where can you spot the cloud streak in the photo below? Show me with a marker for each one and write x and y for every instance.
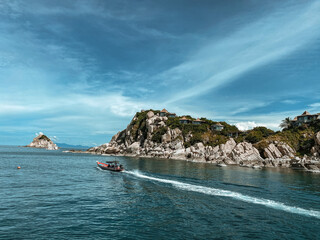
(225, 60)
(81, 69)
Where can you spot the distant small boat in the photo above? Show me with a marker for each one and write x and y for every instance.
(221, 165)
(111, 166)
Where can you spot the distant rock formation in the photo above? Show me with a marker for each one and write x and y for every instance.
(42, 141)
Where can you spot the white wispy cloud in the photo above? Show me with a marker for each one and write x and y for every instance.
(9, 108)
(290, 101)
(314, 107)
(117, 104)
(246, 106)
(270, 120)
(246, 125)
(267, 40)
(54, 138)
(54, 77)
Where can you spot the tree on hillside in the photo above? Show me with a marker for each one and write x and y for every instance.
(258, 133)
(254, 136)
(286, 123)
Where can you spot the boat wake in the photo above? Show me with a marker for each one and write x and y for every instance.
(230, 194)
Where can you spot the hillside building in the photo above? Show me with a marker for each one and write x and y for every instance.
(197, 121)
(217, 127)
(184, 120)
(165, 113)
(305, 117)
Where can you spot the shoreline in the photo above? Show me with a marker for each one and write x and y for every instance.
(216, 163)
(155, 134)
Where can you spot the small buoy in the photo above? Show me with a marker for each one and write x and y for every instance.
(18, 167)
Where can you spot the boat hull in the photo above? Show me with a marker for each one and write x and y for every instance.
(104, 166)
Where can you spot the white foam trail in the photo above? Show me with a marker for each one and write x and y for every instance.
(235, 195)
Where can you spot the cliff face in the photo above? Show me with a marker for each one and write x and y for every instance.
(150, 135)
(42, 141)
(315, 150)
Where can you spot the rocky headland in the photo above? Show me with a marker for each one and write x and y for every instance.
(42, 141)
(153, 134)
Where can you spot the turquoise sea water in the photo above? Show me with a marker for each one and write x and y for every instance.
(58, 195)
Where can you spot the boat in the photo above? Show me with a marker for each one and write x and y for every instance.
(111, 166)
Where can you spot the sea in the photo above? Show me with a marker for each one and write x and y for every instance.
(60, 195)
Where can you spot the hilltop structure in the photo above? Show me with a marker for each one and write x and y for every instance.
(184, 120)
(197, 121)
(305, 117)
(165, 113)
(217, 127)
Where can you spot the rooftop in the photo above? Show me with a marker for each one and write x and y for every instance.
(164, 110)
(184, 118)
(306, 113)
(197, 120)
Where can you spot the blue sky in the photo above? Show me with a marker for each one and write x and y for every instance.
(79, 70)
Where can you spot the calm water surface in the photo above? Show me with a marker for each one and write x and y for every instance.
(58, 195)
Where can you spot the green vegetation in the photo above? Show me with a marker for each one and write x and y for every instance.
(257, 134)
(174, 122)
(44, 137)
(229, 129)
(157, 135)
(202, 132)
(208, 138)
(215, 139)
(240, 138)
(261, 146)
(286, 123)
(139, 124)
(197, 137)
(300, 138)
(193, 129)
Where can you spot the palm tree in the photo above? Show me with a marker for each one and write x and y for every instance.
(286, 123)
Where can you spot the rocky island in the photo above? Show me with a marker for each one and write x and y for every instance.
(42, 141)
(162, 134)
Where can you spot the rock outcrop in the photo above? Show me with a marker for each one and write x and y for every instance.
(277, 150)
(42, 141)
(315, 150)
(150, 135)
(156, 139)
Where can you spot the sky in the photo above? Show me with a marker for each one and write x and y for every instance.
(79, 70)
